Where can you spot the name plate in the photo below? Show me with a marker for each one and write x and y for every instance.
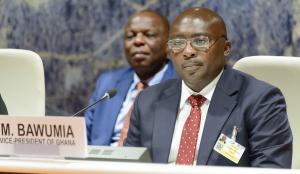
(43, 136)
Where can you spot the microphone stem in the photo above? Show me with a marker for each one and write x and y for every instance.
(104, 97)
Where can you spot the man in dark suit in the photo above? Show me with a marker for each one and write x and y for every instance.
(145, 45)
(3, 110)
(215, 115)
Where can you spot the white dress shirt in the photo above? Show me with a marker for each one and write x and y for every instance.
(184, 111)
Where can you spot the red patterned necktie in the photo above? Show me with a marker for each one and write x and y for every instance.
(189, 136)
(140, 86)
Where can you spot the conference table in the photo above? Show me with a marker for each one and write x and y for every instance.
(49, 166)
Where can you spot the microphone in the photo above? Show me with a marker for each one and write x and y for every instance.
(108, 95)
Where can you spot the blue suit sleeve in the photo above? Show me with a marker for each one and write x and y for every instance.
(270, 136)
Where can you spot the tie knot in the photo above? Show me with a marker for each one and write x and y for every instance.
(196, 100)
(141, 86)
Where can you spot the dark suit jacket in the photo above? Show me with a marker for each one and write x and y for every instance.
(257, 108)
(3, 110)
(101, 119)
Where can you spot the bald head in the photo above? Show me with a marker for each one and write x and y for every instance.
(201, 46)
(200, 16)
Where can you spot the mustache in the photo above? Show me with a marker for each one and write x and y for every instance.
(189, 63)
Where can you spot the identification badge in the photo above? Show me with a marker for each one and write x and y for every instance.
(229, 148)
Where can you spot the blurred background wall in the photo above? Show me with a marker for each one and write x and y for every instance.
(78, 39)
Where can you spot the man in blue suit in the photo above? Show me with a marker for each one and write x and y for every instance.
(215, 115)
(145, 45)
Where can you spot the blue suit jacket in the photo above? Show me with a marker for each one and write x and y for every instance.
(101, 119)
(257, 108)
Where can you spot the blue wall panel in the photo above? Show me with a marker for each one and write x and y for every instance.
(78, 39)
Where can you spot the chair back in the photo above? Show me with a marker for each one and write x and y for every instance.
(22, 84)
(284, 73)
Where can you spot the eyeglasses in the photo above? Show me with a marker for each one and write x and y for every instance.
(200, 43)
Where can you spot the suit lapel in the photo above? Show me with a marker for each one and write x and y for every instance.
(165, 117)
(220, 108)
(122, 86)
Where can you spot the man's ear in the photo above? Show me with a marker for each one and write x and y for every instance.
(227, 49)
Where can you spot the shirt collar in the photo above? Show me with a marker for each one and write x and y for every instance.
(207, 91)
(153, 80)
